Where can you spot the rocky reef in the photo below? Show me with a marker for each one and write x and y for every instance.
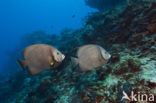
(128, 33)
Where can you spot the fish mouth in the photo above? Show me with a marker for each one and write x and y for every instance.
(63, 56)
(109, 56)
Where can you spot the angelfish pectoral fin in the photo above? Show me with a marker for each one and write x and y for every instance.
(52, 64)
(33, 70)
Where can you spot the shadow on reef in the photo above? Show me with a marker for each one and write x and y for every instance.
(128, 33)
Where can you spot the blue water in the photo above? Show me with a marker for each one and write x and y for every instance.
(19, 17)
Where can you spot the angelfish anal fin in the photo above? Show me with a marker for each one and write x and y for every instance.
(33, 70)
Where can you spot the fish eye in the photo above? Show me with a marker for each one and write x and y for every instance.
(57, 53)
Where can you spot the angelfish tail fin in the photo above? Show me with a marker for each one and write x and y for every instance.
(22, 63)
(75, 61)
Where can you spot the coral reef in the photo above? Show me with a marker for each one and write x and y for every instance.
(127, 64)
(128, 33)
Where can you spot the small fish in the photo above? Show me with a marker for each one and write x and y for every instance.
(39, 57)
(90, 56)
(73, 16)
(114, 28)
